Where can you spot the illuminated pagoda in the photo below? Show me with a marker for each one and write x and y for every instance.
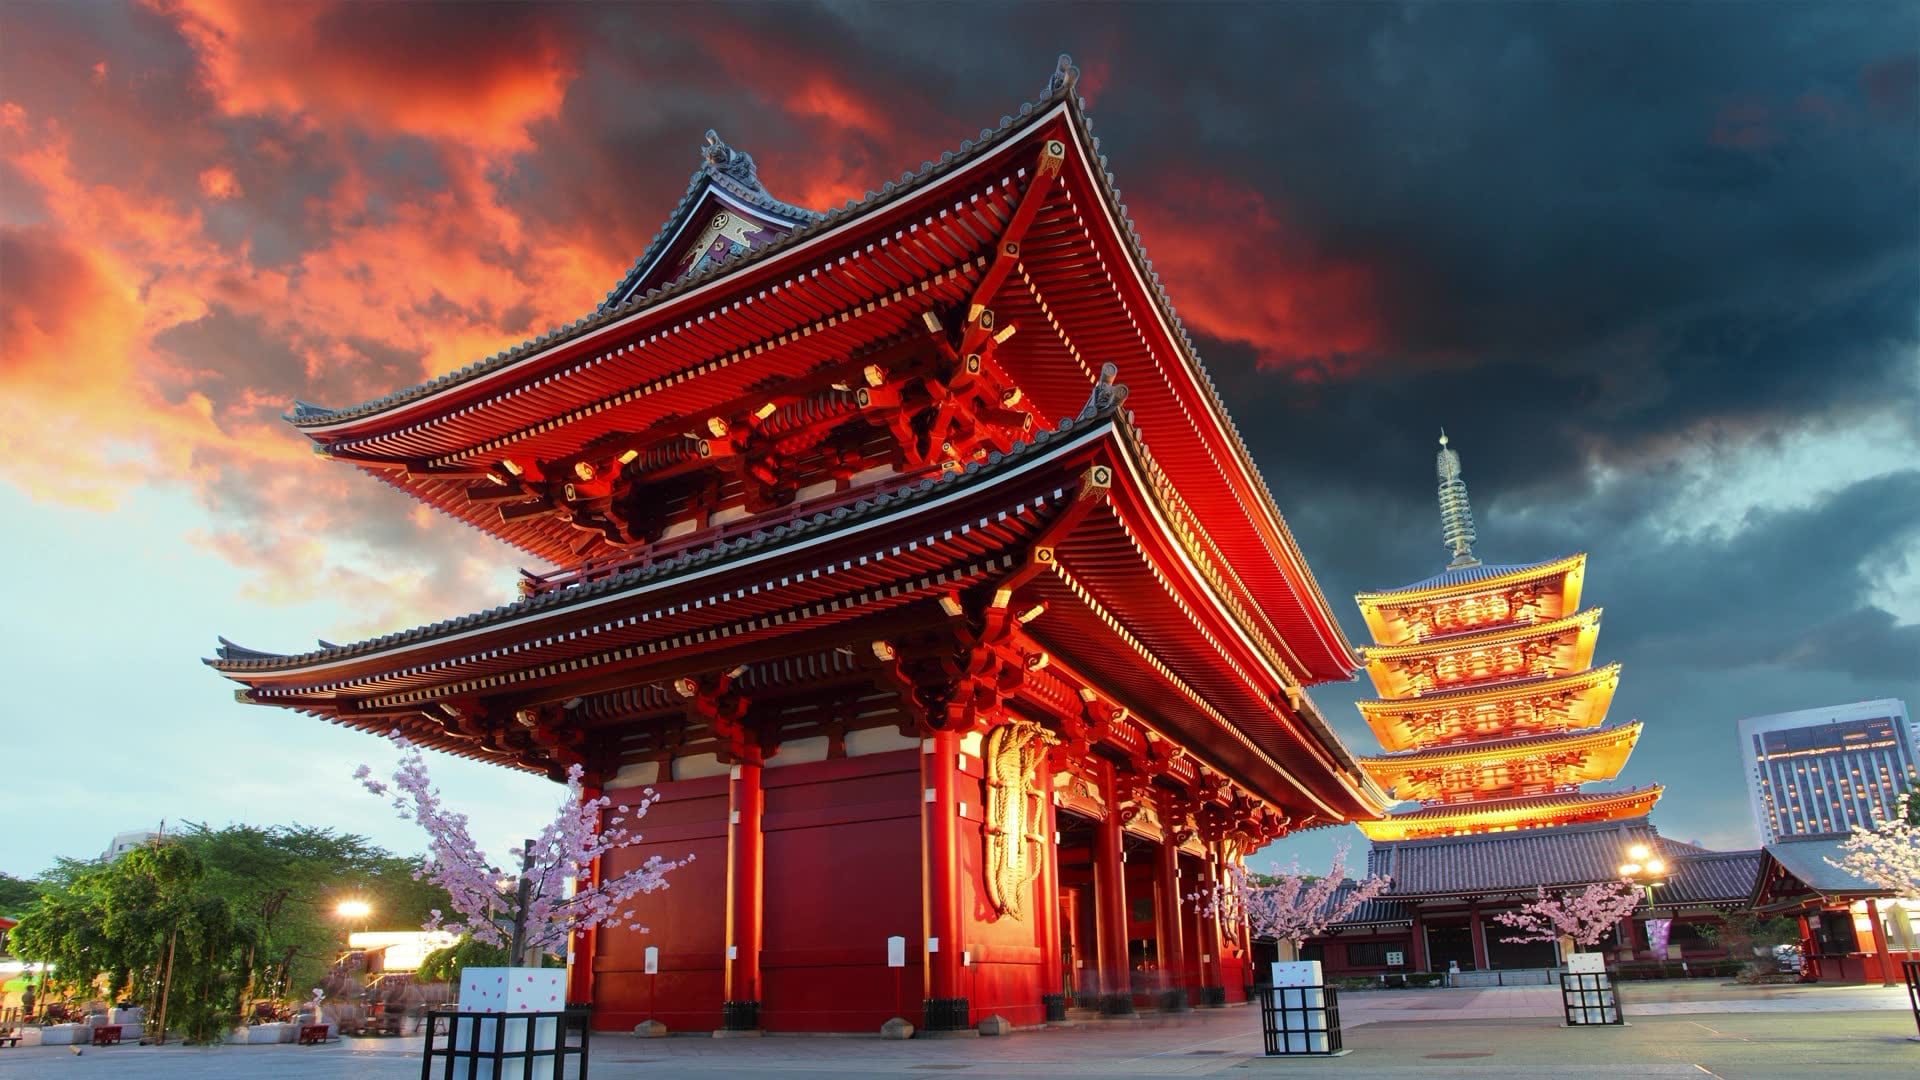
(922, 624)
(1493, 717)
(1490, 710)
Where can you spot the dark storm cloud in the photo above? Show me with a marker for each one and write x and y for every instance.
(1599, 243)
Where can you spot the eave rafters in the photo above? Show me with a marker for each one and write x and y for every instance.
(1512, 814)
(1464, 642)
(1468, 696)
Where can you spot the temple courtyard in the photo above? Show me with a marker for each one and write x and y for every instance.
(1673, 1029)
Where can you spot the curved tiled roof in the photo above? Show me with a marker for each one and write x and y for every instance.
(236, 659)
(1554, 801)
(308, 415)
(1806, 860)
(1511, 861)
(1516, 746)
(1478, 638)
(1492, 691)
(1469, 575)
(708, 175)
(1379, 911)
(1697, 877)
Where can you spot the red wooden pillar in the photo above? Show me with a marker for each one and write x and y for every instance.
(1167, 917)
(1809, 951)
(1047, 898)
(1212, 973)
(1419, 942)
(1888, 975)
(580, 972)
(1110, 890)
(746, 860)
(1480, 961)
(940, 774)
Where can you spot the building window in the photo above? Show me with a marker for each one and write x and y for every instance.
(1368, 954)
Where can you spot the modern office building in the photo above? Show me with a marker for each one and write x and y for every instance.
(1819, 772)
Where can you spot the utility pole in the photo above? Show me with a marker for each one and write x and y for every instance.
(166, 982)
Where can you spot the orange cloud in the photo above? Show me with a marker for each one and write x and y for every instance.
(480, 76)
(1238, 272)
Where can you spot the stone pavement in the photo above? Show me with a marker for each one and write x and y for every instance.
(1678, 1030)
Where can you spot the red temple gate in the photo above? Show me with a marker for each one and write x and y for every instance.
(865, 565)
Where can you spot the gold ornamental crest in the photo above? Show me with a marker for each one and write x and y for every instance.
(1015, 816)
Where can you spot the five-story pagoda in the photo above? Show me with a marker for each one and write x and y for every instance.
(1490, 709)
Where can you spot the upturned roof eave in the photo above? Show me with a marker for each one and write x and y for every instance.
(235, 661)
(328, 425)
(1529, 572)
(1499, 691)
(1570, 740)
(1433, 646)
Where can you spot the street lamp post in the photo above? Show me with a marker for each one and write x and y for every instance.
(1647, 870)
(352, 910)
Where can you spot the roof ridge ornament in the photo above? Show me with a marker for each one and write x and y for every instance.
(1456, 513)
(1106, 395)
(1064, 77)
(735, 165)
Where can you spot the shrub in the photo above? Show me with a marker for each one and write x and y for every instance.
(445, 965)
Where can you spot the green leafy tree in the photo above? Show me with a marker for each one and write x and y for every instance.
(286, 882)
(17, 896)
(445, 965)
(148, 928)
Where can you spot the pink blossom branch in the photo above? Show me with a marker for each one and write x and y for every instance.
(1585, 916)
(1292, 907)
(561, 900)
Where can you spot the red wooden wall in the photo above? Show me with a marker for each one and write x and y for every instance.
(842, 875)
(686, 921)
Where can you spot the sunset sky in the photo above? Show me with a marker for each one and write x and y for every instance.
(1654, 267)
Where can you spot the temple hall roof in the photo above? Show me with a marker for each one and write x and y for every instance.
(237, 659)
(1508, 862)
(1700, 878)
(1807, 859)
(1379, 911)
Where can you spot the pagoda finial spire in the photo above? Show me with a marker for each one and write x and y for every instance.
(1456, 514)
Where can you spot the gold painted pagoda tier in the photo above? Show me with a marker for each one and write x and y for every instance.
(1490, 709)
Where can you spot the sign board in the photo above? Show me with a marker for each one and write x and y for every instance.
(897, 952)
(1396, 958)
(653, 959)
(1587, 963)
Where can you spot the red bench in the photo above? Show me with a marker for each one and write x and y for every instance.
(106, 1035)
(312, 1034)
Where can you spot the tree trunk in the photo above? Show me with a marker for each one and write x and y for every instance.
(166, 982)
(515, 952)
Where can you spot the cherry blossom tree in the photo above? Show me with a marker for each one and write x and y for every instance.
(1888, 854)
(1584, 916)
(535, 909)
(1288, 906)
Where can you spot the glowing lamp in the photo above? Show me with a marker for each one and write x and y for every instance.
(1655, 866)
(353, 909)
(1629, 869)
(1639, 852)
